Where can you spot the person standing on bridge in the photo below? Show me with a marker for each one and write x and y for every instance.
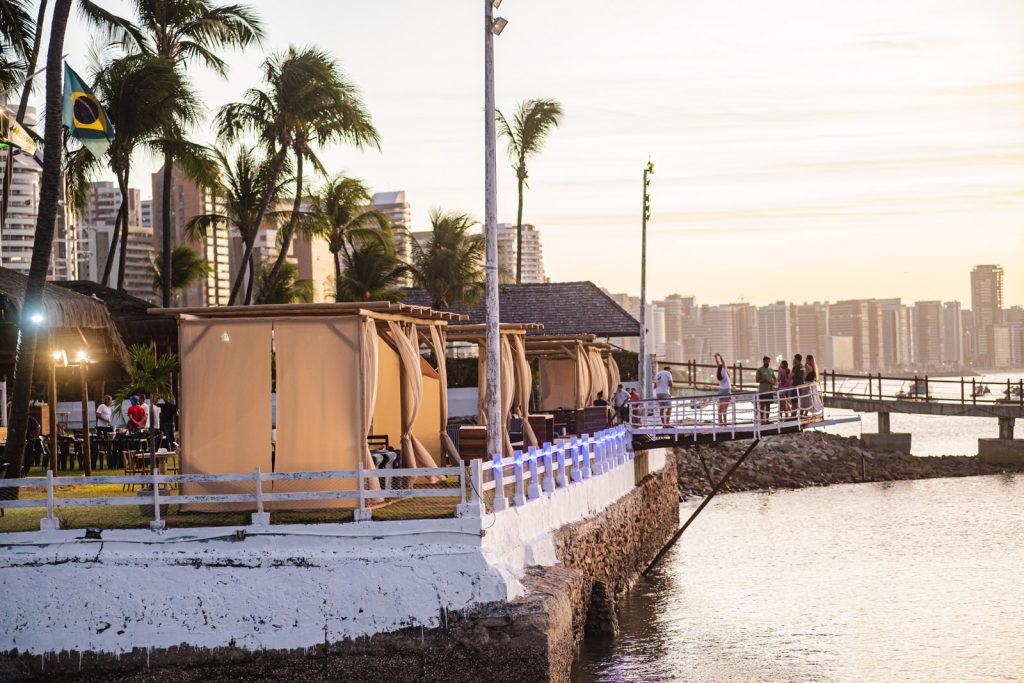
(765, 377)
(810, 377)
(724, 388)
(663, 392)
(783, 385)
(799, 378)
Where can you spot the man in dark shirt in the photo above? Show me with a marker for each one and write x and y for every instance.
(799, 375)
(168, 419)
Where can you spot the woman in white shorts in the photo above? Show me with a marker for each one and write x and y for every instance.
(724, 388)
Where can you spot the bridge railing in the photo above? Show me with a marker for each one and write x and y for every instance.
(728, 415)
(872, 386)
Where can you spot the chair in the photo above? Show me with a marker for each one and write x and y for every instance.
(131, 469)
(379, 442)
(174, 467)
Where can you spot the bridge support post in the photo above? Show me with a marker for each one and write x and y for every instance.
(1005, 450)
(885, 439)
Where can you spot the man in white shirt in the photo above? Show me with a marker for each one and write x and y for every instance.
(663, 390)
(103, 413)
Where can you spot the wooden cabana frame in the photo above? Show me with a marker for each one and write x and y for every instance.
(516, 375)
(573, 369)
(344, 371)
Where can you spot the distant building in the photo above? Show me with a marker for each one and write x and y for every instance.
(1008, 345)
(138, 268)
(852, 318)
(774, 330)
(146, 213)
(839, 353)
(952, 334)
(809, 328)
(928, 325)
(533, 253)
(399, 212)
(898, 344)
(987, 304)
(188, 199)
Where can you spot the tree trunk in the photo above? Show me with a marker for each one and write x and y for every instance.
(124, 235)
(286, 243)
(519, 233)
(42, 244)
(26, 90)
(165, 221)
(112, 250)
(337, 277)
(255, 228)
(250, 280)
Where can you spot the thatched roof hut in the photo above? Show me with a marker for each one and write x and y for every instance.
(136, 320)
(74, 323)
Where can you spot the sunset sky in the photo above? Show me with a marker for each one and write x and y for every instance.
(804, 149)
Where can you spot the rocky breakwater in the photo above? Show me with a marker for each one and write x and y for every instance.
(813, 459)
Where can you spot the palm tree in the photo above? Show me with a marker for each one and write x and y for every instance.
(144, 97)
(372, 273)
(31, 56)
(450, 266)
(242, 184)
(46, 216)
(526, 134)
(186, 269)
(18, 35)
(187, 31)
(287, 288)
(307, 102)
(342, 216)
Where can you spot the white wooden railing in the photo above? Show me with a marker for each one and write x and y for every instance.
(531, 474)
(714, 416)
(541, 471)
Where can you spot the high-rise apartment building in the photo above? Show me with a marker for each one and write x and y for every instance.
(533, 253)
(1008, 345)
(952, 334)
(967, 326)
(851, 319)
(399, 212)
(774, 330)
(721, 332)
(809, 328)
(188, 199)
(146, 213)
(928, 326)
(897, 334)
(987, 304)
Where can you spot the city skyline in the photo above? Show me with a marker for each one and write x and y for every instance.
(896, 146)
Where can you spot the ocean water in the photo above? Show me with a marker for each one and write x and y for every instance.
(901, 581)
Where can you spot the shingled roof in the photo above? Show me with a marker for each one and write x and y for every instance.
(562, 307)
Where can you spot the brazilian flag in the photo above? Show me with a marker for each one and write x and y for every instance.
(83, 116)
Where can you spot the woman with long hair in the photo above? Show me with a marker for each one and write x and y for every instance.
(807, 403)
(724, 388)
(784, 382)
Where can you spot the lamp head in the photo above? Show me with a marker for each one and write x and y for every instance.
(498, 25)
(36, 318)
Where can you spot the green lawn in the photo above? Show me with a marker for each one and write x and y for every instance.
(128, 516)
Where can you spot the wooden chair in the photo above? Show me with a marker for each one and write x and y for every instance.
(131, 468)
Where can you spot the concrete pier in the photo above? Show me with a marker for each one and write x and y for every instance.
(885, 439)
(1005, 450)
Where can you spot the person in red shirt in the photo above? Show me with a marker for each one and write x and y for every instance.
(136, 416)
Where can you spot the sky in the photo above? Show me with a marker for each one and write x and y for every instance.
(804, 149)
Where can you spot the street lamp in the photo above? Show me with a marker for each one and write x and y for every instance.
(492, 402)
(644, 360)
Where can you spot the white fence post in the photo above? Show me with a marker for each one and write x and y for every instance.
(574, 452)
(518, 497)
(157, 523)
(475, 506)
(500, 501)
(361, 514)
(260, 517)
(533, 490)
(560, 456)
(549, 475)
(49, 522)
(584, 448)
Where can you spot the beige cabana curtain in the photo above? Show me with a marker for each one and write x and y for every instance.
(508, 391)
(598, 375)
(437, 341)
(614, 378)
(225, 404)
(524, 386)
(321, 421)
(407, 342)
(583, 384)
(368, 362)
(558, 383)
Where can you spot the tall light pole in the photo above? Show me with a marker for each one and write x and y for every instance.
(644, 366)
(492, 400)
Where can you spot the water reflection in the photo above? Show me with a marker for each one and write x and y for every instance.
(895, 581)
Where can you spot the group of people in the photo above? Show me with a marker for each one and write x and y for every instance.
(159, 415)
(620, 402)
(785, 380)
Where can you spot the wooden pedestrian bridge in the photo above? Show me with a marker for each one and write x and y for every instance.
(711, 418)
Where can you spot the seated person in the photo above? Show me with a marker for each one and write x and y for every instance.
(600, 401)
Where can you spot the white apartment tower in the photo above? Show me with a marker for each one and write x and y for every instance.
(399, 212)
(774, 327)
(533, 254)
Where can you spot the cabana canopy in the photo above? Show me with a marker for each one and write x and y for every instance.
(573, 370)
(336, 384)
(516, 375)
(72, 323)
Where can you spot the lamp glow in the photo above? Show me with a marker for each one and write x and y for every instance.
(36, 318)
(82, 357)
